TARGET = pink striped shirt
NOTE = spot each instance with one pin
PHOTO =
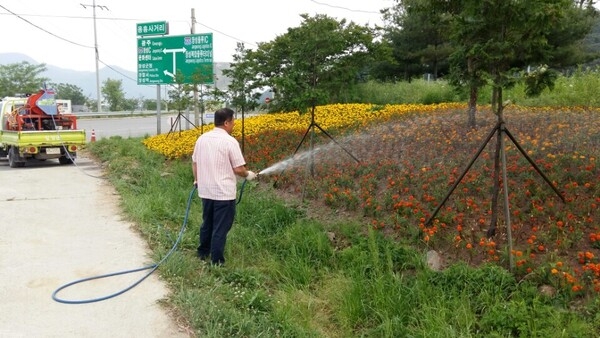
(216, 153)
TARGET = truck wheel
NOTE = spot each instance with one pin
(65, 160)
(13, 158)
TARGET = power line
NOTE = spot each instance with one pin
(76, 17)
(42, 29)
(112, 19)
(227, 35)
(345, 8)
(116, 71)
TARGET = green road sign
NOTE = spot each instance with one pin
(152, 28)
(162, 60)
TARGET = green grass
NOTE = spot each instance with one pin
(285, 278)
(579, 88)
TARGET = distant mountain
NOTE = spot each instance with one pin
(87, 80)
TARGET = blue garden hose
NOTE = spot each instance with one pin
(151, 267)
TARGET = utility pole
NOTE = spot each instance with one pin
(196, 119)
(93, 5)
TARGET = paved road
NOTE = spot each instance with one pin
(131, 126)
(60, 224)
(140, 126)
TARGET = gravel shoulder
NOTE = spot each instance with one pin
(60, 224)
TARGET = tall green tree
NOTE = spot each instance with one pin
(241, 88)
(71, 92)
(315, 63)
(496, 40)
(112, 91)
(21, 78)
(243, 80)
(201, 78)
(419, 36)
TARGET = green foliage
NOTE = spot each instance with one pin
(71, 92)
(21, 78)
(243, 82)
(180, 94)
(538, 80)
(313, 64)
(488, 281)
(578, 88)
(112, 91)
(419, 38)
(417, 91)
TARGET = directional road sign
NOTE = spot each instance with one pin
(168, 59)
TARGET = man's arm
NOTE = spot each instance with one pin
(241, 171)
(194, 171)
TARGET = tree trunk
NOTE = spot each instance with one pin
(473, 94)
(496, 190)
(473, 106)
(497, 103)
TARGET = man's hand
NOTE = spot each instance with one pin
(195, 184)
(251, 175)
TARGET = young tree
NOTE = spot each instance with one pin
(243, 80)
(203, 75)
(315, 63)
(112, 91)
(242, 84)
(498, 40)
(21, 78)
(180, 95)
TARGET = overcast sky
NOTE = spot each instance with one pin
(61, 32)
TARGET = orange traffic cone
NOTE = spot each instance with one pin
(93, 138)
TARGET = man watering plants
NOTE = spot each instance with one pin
(216, 161)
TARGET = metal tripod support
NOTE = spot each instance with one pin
(499, 129)
(177, 122)
(314, 124)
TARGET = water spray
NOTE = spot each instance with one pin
(282, 165)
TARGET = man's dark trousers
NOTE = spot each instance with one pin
(217, 218)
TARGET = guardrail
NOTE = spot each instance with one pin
(145, 113)
(93, 114)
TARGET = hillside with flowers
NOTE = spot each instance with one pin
(409, 156)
